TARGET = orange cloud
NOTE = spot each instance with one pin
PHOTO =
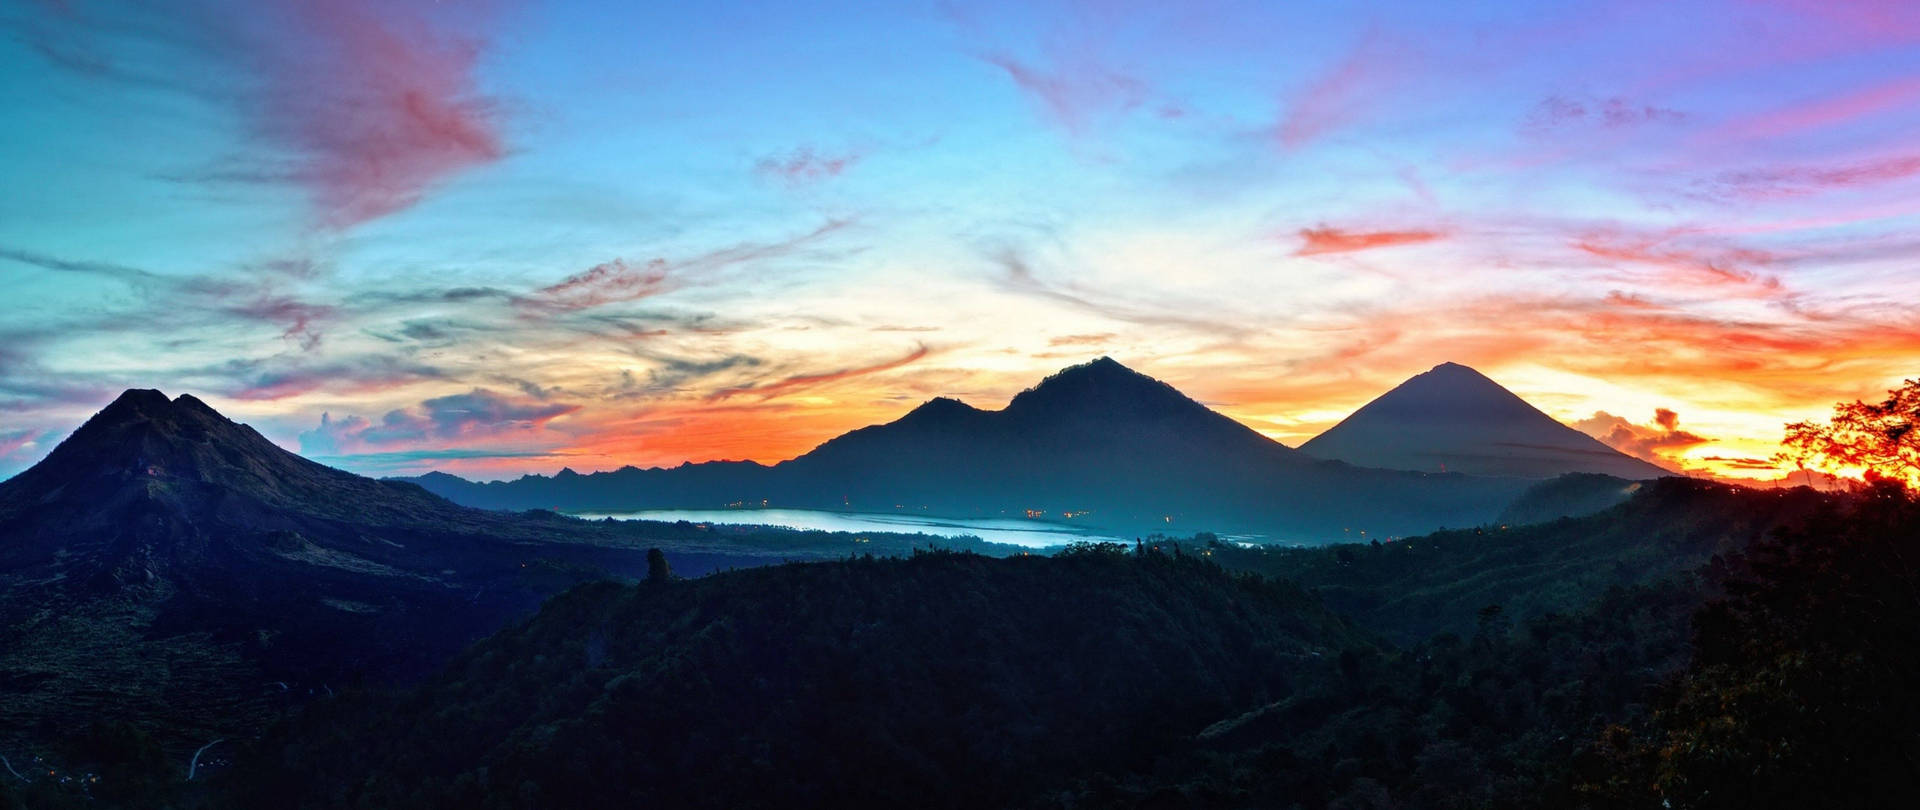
(1652, 443)
(1324, 240)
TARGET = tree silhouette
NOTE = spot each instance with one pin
(657, 568)
(1883, 438)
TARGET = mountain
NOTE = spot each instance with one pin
(1455, 419)
(944, 680)
(167, 565)
(1096, 444)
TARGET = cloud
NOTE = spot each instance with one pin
(1344, 93)
(15, 441)
(1560, 112)
(363, 104)
(375, 105)
(672, 375)
(1324, 239)
(1899, 94)
(805, 166)
(1644, 442)
(440, 422)
(1684, 266)
(803, 381)
(609, 282)
(282, 376)
(1785, 182)
(1076, 91)
(202, 297)
(1019, 277)
(1082, 340)
(620, 281)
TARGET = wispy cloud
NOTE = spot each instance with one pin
(364, 104)
(1342, 94)
(1783, 182)
(1559, 112)
(1325, 239)
(806, 166)
(1681, 265)
(1077, 93)
(786, 385)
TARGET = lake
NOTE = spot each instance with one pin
(1013, 531)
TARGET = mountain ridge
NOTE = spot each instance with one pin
(1115, 448)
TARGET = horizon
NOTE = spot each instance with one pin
(401, 237)
(1626, 451)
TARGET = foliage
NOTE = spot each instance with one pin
(943, 680)
(1412, 589)
(1802, 690)
(1882, 438)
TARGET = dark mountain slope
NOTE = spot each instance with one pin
(169, 566)
(1411, 589)
(939, 681)
(1455, 419)
(1118, 449)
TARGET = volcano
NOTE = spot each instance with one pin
(1455, 419)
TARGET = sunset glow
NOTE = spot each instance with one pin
(401, 236)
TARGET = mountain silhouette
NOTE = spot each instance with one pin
(1455, 419)
(1097, 444)
(207, 574)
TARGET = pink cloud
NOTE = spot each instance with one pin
(1324, 239)
(301, 318)
(1338, 97)
(1075, 92)
(375, 105)
(1684, 266)
(14, 441)
(609, 282)
(1786, 182)
(1895, 95)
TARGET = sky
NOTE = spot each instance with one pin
(503, 237)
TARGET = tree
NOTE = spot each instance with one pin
(1883, 438)
(657, 568)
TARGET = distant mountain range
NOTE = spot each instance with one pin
(1454, 419)
(1099, 445)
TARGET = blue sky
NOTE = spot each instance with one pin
(503, 237)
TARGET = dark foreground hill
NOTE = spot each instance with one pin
(944, 680)
(1114, 448)
(1455, 418)
(171, 568)
(1412, 589)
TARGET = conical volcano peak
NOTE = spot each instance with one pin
(1452, 389)
(1454, 418)
(1451, 367)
